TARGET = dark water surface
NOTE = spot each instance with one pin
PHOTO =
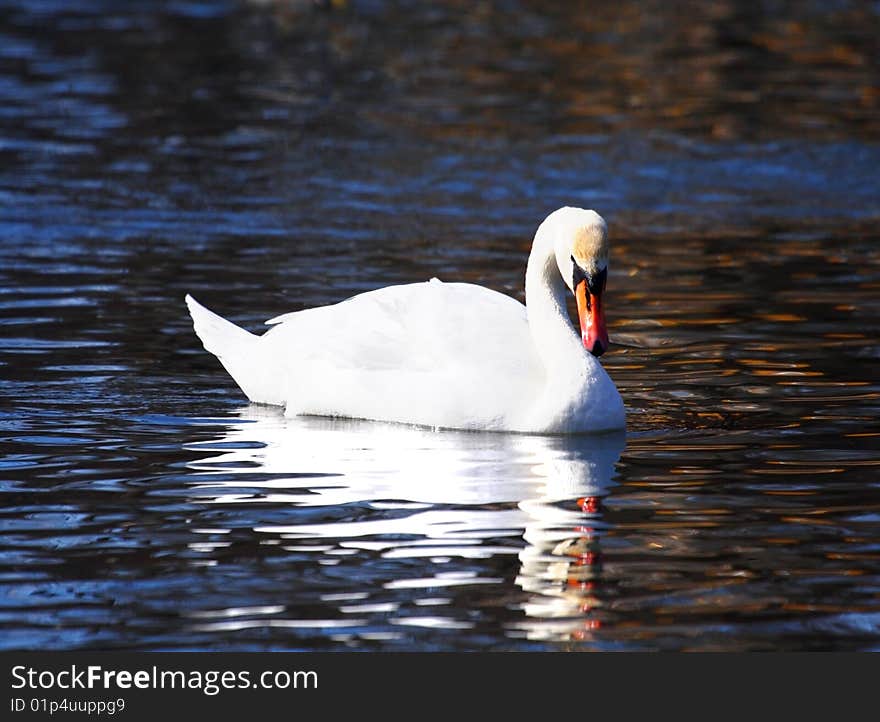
(272, 159)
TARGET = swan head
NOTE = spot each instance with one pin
(581, 248)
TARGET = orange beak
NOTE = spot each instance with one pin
(592, 318)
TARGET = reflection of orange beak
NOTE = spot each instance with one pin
(592, 318)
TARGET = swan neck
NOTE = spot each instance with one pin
(556, 342)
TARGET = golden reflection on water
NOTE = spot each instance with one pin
(628, 65)
(763, 328)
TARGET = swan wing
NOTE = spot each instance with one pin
(433, 353)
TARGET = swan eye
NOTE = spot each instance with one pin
(578, 274)
(596, 283)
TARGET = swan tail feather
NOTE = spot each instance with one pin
(238, 350)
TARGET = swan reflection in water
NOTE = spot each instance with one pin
(430, 494)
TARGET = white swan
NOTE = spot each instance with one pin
(453, 355)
